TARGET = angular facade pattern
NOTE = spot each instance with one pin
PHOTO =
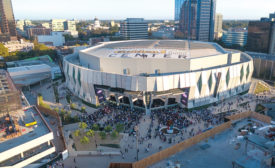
(205, 86)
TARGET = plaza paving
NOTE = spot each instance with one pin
(236, 104)
(221, 151)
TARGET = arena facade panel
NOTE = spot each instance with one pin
(158, 73)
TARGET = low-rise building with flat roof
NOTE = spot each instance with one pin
(33, 70)
(25, 138)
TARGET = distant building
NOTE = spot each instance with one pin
(218, 26)
(46, 25)
(7, 23)
(235, 37)
(95, 40)
(70, 25)
(38, 30)
(164, 33)
(55, 39)
(19, 46)
(272, 17)
(57, 24)
(72, 33)
(112, 23)
(62, 24)
(28, 23)
(178, 5)
(197, 19)
(96, 23)
(261, 36)
(20, 25)
(134, 28)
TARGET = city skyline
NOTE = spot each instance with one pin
(161, 9)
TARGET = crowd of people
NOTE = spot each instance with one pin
(111, 115)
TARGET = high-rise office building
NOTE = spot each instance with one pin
(7, 23)
(134, 28)
(261, 35)
(178, 5)
(258, 36)
(197, 19)
(218, 26)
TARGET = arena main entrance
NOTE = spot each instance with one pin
(144, 100)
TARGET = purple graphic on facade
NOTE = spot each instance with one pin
(184, 96)
(100, 95)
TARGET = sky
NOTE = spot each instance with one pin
(122, 9)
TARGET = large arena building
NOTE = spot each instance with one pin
(157, 73)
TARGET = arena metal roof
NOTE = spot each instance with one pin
(175, 49)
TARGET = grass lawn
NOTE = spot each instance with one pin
(260, 88)
(91, 146)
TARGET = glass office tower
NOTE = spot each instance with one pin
(7, 23)
(197, 19)
(178, 5)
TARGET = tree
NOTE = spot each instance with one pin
(68, 37)
(119, 127)
(41, 47)
(114, 29)
(76, 133)
(114, 134)
(83, 108)
(3, 50)
(73, 106)
(90, 133)
(95, 127)
(82, 125)
(56, 109)
(85, 140)
(102, 135)
(108, 128)
(63, 110)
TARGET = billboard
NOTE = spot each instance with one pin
(100, 94)
(185, 96)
